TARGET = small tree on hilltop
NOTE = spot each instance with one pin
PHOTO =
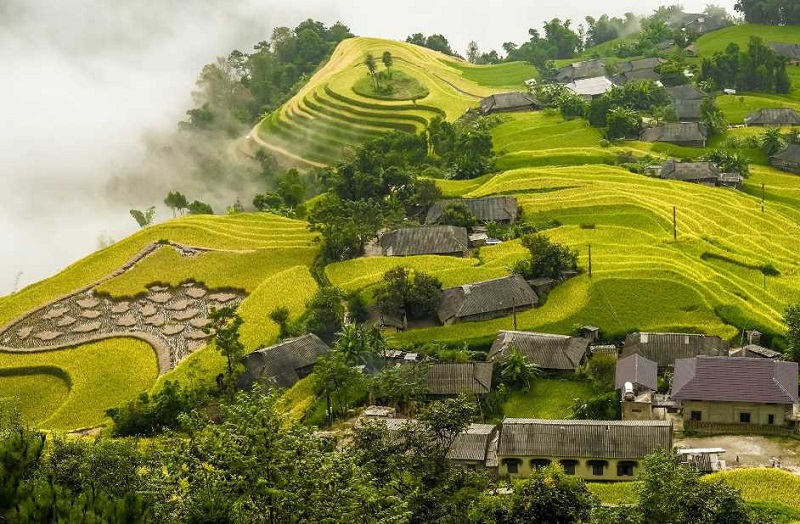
(388, 61)
(546, 258)
(176, 201)
(772, 141)
(224, 327)
(372, 67)
(200, 208)
(144, 218)
(415, 295)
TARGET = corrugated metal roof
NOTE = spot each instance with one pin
(489, 296)
(457, 378)
(472, 444)
(278, 365)
(685, 92)
(678, 133)
(425, 240)
(665, 348)
(544, 350)
(755, 351)
(732, 379)
(637, 370)
(610, 439)
(590, 86)
(773, 117)
(498, 209)
(790, 153)
(639, 64)
(508, 102)
(689, 171)
(578, 70)
(688, 109)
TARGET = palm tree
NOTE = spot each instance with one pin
(517, 372)
(369, 61)
(772, 141)
(355, 340)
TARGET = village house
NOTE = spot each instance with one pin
(685, 92)
(579, 70)
(730, 390)
(425, 240)
(691, 134)
(283, 364)
(590, 449)
(705, 173)
(665, 348)
(640, 69)
(636, 377)
(790, 51)
(589, 88)
(475, 447)
(485, 300)
(501, 209)
(688, 110)
(776, 117)
(787, 159)
(450, 379)
(509, 103)
(755, 351)
(546, 351)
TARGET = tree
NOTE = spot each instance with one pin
(712, 117)
(791, 317)
(406, 294)
(268, 202)
(622, 122)
(472, 52)
(224, 328)
(291, 188)
(546, 259)
(280, 315)
(388, 62)
(144, 218)
(176, 201)
(772, 141)
(357, 340)
(517, 372)
(600, 407)
(400, 385)
(729, 162)
(336, 378)
(458, 214)
(372, 68)
(325, 314)
(549, 496)
(200, 208)
(562, 38)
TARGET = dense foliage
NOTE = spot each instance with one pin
(757, 69)
(772, 12)
(406, 294)
(547, 259)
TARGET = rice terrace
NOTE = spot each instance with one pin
(403, 196)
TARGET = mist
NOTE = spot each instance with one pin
(88, 85)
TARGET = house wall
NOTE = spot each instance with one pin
(637, 411)
(792, 167)
(728, 412)
(582, 469)
(487, 316)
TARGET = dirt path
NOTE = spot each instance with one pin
(752, 451)
(254, 136)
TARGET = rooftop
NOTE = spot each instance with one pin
(457, 378)
(425, 240)
(497, 209)
(490, 296)
(543, 350)
(279, 365)
(665, 348)
(637, 369)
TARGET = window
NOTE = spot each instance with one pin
(598, 467)
(569, 466)
(744, 417)
(512, 465)
(625, 468)
(770, 419)
(539, 463)
(697, 415)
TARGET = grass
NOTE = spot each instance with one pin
(548, 398)
(737, 107)
(511, 74)
(398, 86)
(613, 492)
(50, 384)
(100, 376)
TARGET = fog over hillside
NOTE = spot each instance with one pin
(84, 81)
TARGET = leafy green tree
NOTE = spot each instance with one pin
(546, 259)
(549, 496)
(562, 38)
(147, 415)
(772, 141)
(268, 202)
(623, 122)
(388, 62)
(713, 117)
(372, 69)
(600, 407)
(356, 340)
(144, 218)
(291, 188)
(472, 52)
(325, 314)
(224, 328)
(672, 73)
(729, 162)
(280, 315)
(601, 370)
(346, 226)
(415, 295)
(200, 208)
(401, 385)
(791, 317)
(517, 372)
(336, 379)
(458, 214)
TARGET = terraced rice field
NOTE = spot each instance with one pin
(326, 117)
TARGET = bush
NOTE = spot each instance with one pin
(546, 258)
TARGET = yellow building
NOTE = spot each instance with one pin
(608, 450)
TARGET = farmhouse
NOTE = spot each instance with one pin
(790, 51)
(502, 209)
(705, 173)
(282, 365)
(543, 350)
(452, 379)
(730, 390)
(787, 159)
(688, 110)
(426, 240)
(475, 447)
(579, 70)
(683, 134)
(665, 348)
(773, 117)
(685, 92)
(589, 88)
(754, 351)
(509, 103)
(485, 300)
(641, 64)
(590, 449)
(638, 74)
(637, 378)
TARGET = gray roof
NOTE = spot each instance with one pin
(278, 365)
(512, 101)
(639, 74)
(544, 350)
(456, 378)
(689, 171)
(594, 86)
(578, 70)
(637, 369)
(602, 439)
(755, 351)
(688, 109)
(732, 379)
(640, 64)
(790, 153)
(685, 92)
(498, 209)
(665, 348)
(773, 117)
(472, 444)
(676, 133)
(426, 240)
(486, 297)
(787, 50)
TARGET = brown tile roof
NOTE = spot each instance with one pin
(278, 365)
(425, 240)
(637, 369)
(665, 348)
(690, 171)
(544, 350)
(610, 439)
(513, 101)
(489, 296)
(755, 351)
(473, 443)
(457, 378)
(790, 153)
(676, 133)
(732, 379)
(498, 209)
(773, 117)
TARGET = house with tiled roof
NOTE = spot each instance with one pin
(787, 159)
(486, 300)
(773, 117)
(499, 209)
(283, 364)
(790, 51)
(450, 379)
(732, 390)
(690, 134)
(705, 173)
(578, 70)
(509, 103)
(754, 351)
(425, 240)
(591, 449)
(665, 348)
(685, 92)
(589, 88)
(544, 350)
(475, 447)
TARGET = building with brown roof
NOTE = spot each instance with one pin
(591, 449)
(509, 103)
(705, 173)
(665, 348)
(283, 364)
(787, 159)
(452, 379)
(486, 300)
(500, 209)
(690, 134)
(425, 240)
(773, 117)
(544, 350)
(731, 390)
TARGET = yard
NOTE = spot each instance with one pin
(548, 398)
